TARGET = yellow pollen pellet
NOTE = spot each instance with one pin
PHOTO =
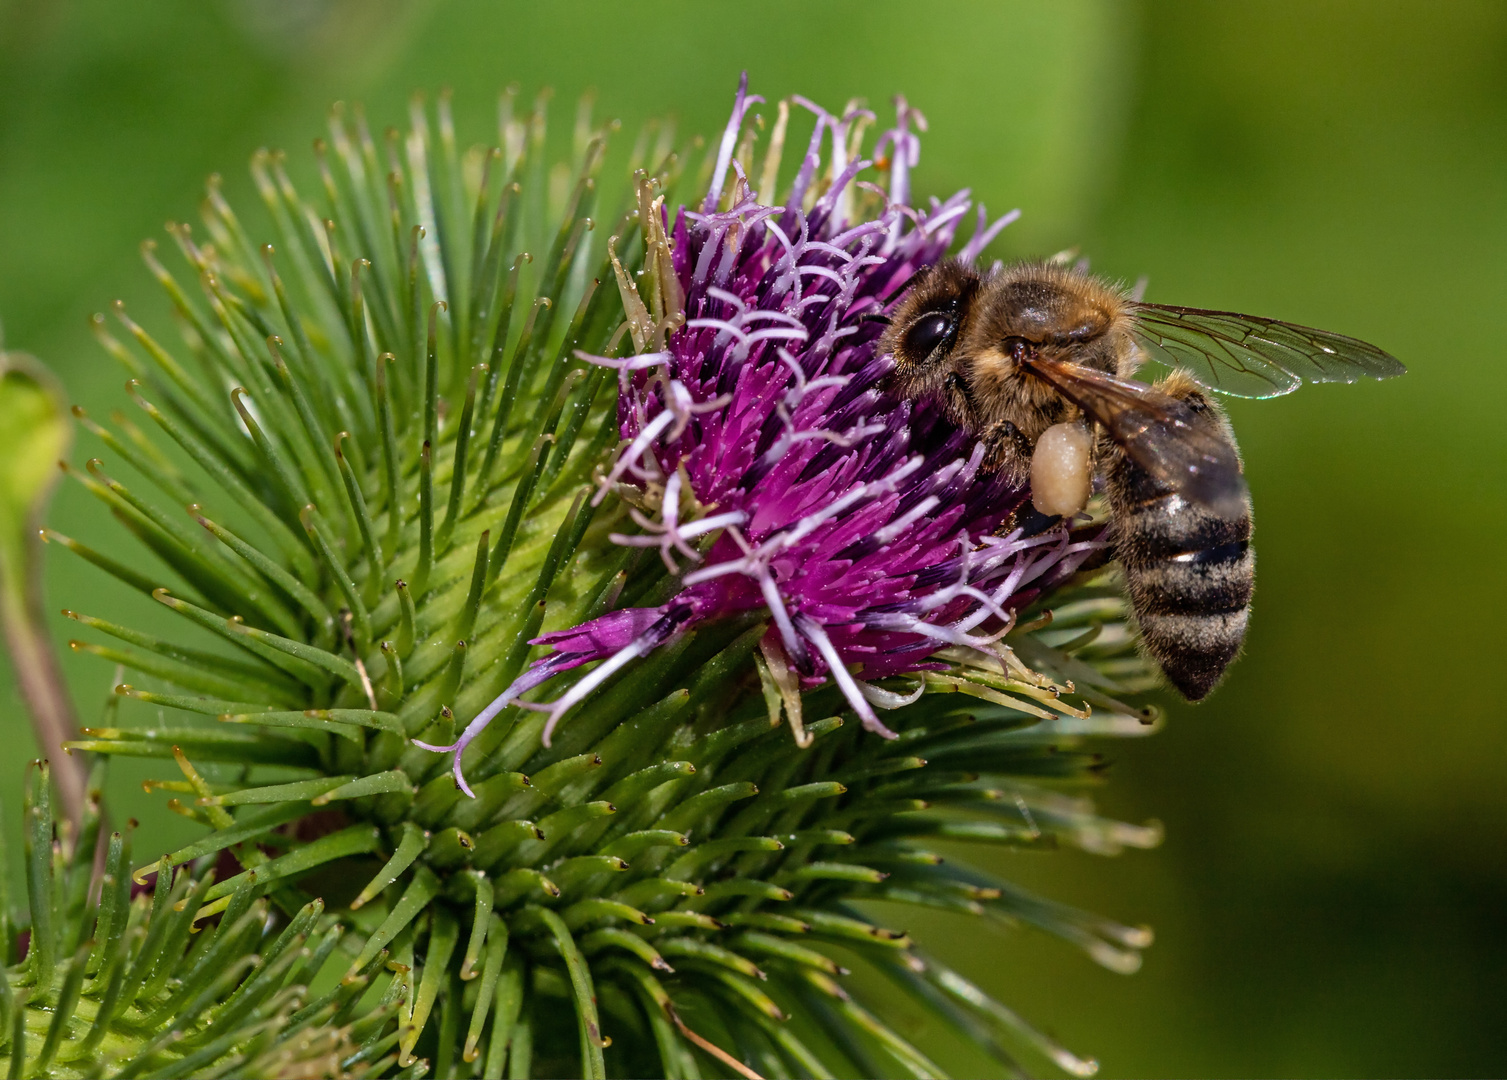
(1061, 477)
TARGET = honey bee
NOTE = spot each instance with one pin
(1037, 361)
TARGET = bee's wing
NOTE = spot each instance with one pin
(1248, 356)
(1158, 432)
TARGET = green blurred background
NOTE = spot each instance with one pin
(1330, 897)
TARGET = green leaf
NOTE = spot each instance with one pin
(35, 432)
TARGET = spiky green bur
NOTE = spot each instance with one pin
(137, 987)
(390, 497)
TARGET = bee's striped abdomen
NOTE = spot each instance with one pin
(1189, 571)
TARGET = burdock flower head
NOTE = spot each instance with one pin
(649, 484)
(761, 456)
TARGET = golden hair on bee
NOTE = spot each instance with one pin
(953, 339)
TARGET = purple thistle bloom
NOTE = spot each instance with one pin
(863, 525)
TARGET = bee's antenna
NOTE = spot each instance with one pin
(874, 317)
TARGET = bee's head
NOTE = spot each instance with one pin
(926, 326)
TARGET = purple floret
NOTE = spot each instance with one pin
(861, 524)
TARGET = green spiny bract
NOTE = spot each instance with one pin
(386, 443)
(132, 987)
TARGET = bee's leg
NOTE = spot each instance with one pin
(958, 402)
(1006, 449)
(1031, 521)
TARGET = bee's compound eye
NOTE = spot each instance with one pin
(928, 332)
